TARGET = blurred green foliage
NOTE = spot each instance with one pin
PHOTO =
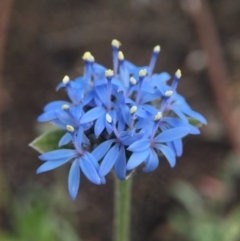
(211, 212)
(41, 216)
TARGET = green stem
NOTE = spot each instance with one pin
(122, 210)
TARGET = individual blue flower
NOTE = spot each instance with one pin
(145, 149)
(113, 153)
(80, 158)
(62, 116)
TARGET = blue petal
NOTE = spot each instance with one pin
(179, 113)
(124, 76)
(47, 116)
(148, 129)
(148, 88)
(99, 126)
(142, 123)
(99, 70)
(109, 127)
(178, 147)
(113, 114)
(168, 153)
(121, 122)
(65, 118)
(129, 137)
(89, 170)
(92, 115)
(72, 91)
(179, 123)
(150, 97)
(59, 124)
(88, 98)
(162, 88)
(102, 94)
(194, 130)
(103, 180)
(137, 158)
(125, 113)
(117, 83)
(150, 109)
(121, 163)
(54, 105)
(92, 159)
(194, 115)
(172, 134)
(164, 76)
(77, 112)
(66, 138)
(97, 101)
(141, 112)
(79, 136)
(47, 166)
(130, 66)
(60, 85)
(175, 122)
(172, 147)
(74, 179)
(85, 140)
(109, 161)
(140, 145)
(100, 82)
(102, 149)
(152, 162)
(58, 154)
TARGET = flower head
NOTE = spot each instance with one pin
(118, 119)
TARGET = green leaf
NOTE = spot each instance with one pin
(194, 122)
(47, 141)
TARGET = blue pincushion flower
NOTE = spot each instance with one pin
(133, 116)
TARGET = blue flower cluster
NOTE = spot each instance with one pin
(117, 119)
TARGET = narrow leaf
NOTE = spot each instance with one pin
(47, 141)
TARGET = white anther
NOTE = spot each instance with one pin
(116, 43)
(65, 79)
(142, 72)
(157, 49)
(168, 93)
(108, 118)
(91, 59)
(133, 109)
(158, 116)
(86, 55)
(109, 73)
(70, 128)
(120, 55)
(133, 81)
(178, 74)
(65, 107)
